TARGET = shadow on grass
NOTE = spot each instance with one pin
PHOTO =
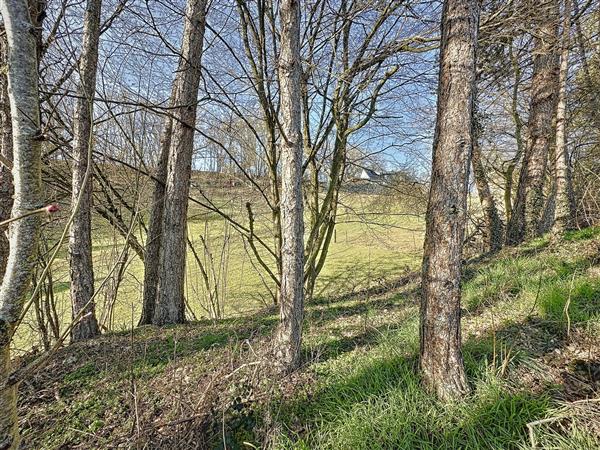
(382, 288)
(335, 311)
(148, 350)
(333, 348)
(374, 400)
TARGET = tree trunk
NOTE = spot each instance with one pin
(529, 205)
(6, 182)
(564, 209)
(170, 306)
(80, 236)
(512, 164)
(441, 358)
(494, 228)
(153, 239)
(289, 334)
(25, 113)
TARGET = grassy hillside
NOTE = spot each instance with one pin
(366, 251)
(531, 347)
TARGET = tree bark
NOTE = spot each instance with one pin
(153, 239)
(512, 164)
(493, 226)
(441, 359)
(528, 210)
(80, 235)
(289, 334)
(564, 209)
(170, 306)
(25, 113)
(6, 181)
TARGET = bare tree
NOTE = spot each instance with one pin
(565, 208)
(25, 115)
(348, 78)
(291, 312)
(171, 277)
(80, 235)
(154, 235)
(526, 218)
(441, 358)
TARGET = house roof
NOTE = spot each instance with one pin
(370, 173)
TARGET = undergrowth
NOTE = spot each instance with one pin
(531, 352)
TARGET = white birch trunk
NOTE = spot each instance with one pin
(6, 182)
(564, 212)
(25, 113)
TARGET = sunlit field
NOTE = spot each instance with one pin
(375, 242)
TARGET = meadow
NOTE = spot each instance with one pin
(375, 242)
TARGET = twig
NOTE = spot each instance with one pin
(5, 161)
(567, 305)
(531, 425)
(48, 209)
(537, 296)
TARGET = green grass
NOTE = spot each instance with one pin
(502, 280)
(583, 234)
(545, 277)
(375, 401)
(581, 295)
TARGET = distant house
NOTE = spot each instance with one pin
(370, 175)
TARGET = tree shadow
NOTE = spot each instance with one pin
(334, 348)
(382, 288)
(147, 350)
(333, 312)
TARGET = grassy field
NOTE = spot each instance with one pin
(370, 247)
(531, 348)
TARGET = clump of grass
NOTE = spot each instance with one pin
(583, 234)
(524, 274)
(503, 280)
(538, 243)
(82, 374)
(581, 295)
